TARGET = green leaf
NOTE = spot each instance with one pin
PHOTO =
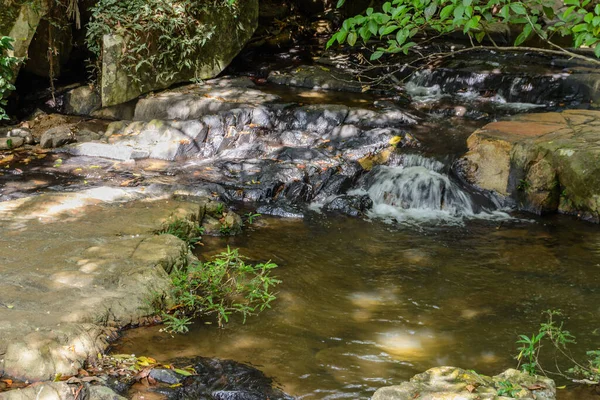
(430, 11)
(459, 12)
(182, 372)
(549, 12)
(446, 11)
(352, 38)
(588, 17)
(369, 11)
(387, 7)
(467, 3)
(372, 26)
(340, 3)
(505, 12)
(389, 29)
(377, 55)
(527, 29)
(580, 28)
(518, 8)
(479, 36)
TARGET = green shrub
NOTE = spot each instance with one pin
(184, 230)
(401, 22)
(7, 65)
(221, 287)
(161, 36)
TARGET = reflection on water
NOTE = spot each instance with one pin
(365, 304)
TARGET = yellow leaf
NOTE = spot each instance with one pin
(95, 166)
(561, 387)
(176, 385)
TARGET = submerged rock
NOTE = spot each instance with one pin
(446, 383)
(545, 162)
(62, 391)
(225, 380)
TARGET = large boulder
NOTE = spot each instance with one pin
(451, 383)
(20, 20)
(232, 34)
(544, 162)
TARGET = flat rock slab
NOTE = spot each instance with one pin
(451, 383)
(545, 162)
(75, 264)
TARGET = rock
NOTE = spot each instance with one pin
(11, 143)
(124, 111)
(450, 383)
(117, 87)
(57, 136)
(167, 376)
(64, 313)
(61, 391)
(225, 380)
(20, 21)
(83, 100)
(353, 206)
(280, 210)
(24, 133)
(544, 162)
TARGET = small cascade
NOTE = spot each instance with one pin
(511, 90)
(420, 189)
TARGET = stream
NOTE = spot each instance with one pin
(366, 304)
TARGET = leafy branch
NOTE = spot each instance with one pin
(401, 24)
(7, 65)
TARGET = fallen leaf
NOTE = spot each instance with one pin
(471, 388)
(536, 386)
(8, 382)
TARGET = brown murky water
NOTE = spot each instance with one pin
(365, 304)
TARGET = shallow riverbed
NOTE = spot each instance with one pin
(365, 304)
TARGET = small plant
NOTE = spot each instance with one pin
(587, 372)
(224, 229)
(7, 65)
(250, 217)
(507, 388)
(529, 350)
(191, 234)
(221, 287)
(220, 208)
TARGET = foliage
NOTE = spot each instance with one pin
(401, 21)
(553, 331)
(7, 65)
(163, 37)
(221, 287)
(184, 230)
(507, 388)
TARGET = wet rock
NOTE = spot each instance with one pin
(444, 383)
(11, 143)
(280, 210)
(82, 101)
(544, 162)
(57, 137)
(353, 206)
(167, 376)
(226, 380)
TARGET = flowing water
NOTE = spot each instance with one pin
(365, 304)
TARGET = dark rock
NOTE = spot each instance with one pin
(57, 136)
(225, 380)
(353, 206)
(280, 210)
(166, 376)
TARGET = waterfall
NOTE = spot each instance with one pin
(420, 189)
